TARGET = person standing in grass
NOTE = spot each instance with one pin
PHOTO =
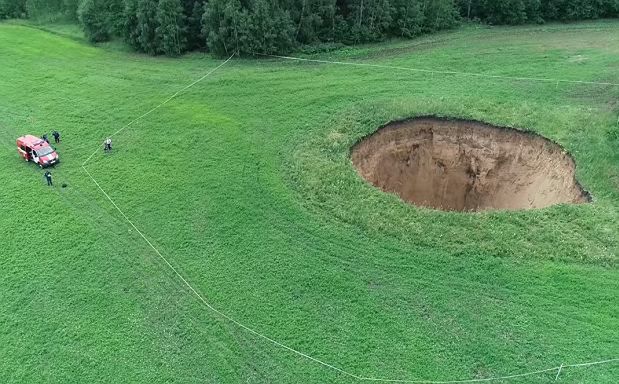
(48, 177)
(56, 135)
(44, 137)
(107, 144)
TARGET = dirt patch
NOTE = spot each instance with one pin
(458, 165)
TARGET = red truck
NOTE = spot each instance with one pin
(31, 148)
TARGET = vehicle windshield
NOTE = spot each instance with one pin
(44, 151)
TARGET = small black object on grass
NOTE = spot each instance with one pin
(64, 185)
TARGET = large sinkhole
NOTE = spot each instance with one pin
(457, 165)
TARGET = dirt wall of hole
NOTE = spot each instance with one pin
(459, 165)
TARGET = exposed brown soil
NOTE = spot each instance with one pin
(457, 165)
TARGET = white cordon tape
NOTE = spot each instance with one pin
(431, 71)
(258, 334)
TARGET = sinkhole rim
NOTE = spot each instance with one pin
(574, 194)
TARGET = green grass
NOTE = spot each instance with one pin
(245, 185)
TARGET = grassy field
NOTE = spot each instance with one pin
(244, 184)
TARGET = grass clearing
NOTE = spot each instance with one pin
(245, 184)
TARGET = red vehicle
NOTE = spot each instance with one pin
(31, 148)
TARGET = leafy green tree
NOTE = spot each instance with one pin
(195, 37)
(278, 26)
(269, 29)
(408, 18)
(439, 14)
(171, 28)
(93, 18)
(314, 20)
(70, 9)
(536, 11)
(533, 10)
(368, 19)
(48, 9)
(130, 25)
(222, 23)
(505, 11)
(12, 9)
(146, 28)
(115, 11)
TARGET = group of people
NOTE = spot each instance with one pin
(48, 174)
(107, 146)
(56, 135)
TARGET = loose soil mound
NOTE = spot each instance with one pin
(457, 165)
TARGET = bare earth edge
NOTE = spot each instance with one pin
(465, 165)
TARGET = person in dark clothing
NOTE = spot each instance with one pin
(48, 177)
(44, 137)
(56, 135)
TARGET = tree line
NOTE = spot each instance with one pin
(172, 27)
(537, 11)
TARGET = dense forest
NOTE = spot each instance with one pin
(172, 27)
